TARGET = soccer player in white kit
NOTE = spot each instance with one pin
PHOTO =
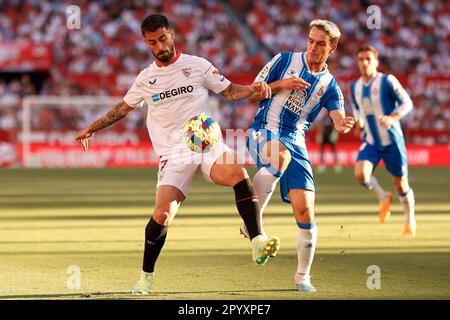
(175, 87)
(379, 101)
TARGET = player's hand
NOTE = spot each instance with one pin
(294, 83)
(386, 121)
(261, 88)
(83, 138)
(346, 124)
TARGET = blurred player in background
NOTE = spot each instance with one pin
(326, 134)
(175, 87)
(301, 85)
(379, 102)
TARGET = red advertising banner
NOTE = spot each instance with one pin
(73, 156)
(8, 155)
(17, 57)
(140, 155)
(418, 155)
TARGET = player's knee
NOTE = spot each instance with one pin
(305, 214)
(281, 161)
(401, 184)
(284, 158)
(237, 175)
(162, 217)
(359, 175)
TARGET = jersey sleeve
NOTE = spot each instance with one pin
(333, 98)
(134, 97)
(212, 79)
(355, 106)
(404, 102)
(271, 71)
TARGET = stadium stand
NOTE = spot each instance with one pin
(107, 52)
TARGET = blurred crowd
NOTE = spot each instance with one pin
(414, 35)
(109, 39)
(414, 40)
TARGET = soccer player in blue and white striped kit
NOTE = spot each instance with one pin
(379, 101)
(301, 86)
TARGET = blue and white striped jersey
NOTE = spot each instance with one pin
(289, 113)
(383, 95)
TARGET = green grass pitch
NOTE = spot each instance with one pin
(95, 219)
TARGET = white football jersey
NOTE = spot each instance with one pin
(174, 94)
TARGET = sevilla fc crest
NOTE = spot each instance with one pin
(186, 72)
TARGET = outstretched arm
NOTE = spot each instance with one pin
(342, 123)
(292, 83)
(113, 115)
(237, 92)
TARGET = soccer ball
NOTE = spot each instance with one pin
(202, 133)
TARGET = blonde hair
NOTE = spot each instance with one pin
(329, 27)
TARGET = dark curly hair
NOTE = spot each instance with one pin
(154, 22)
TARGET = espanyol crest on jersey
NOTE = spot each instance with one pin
(289, 113)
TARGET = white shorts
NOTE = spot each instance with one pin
(179, 169)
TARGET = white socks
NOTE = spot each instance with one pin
(264, 183)
(306, 247)
(373, 185)
(147, 274)
(257, 239)
(407, 201)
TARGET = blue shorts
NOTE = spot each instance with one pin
(298, 175)
(393, 155)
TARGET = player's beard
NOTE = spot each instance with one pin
(165, 55)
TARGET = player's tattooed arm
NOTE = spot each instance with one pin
(237, 92)
(291, 83)
(117, 112)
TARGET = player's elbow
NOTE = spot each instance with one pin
(405, 108)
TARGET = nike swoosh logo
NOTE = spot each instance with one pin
(152, 82)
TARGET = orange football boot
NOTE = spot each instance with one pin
(385, 212)
(410, 230)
